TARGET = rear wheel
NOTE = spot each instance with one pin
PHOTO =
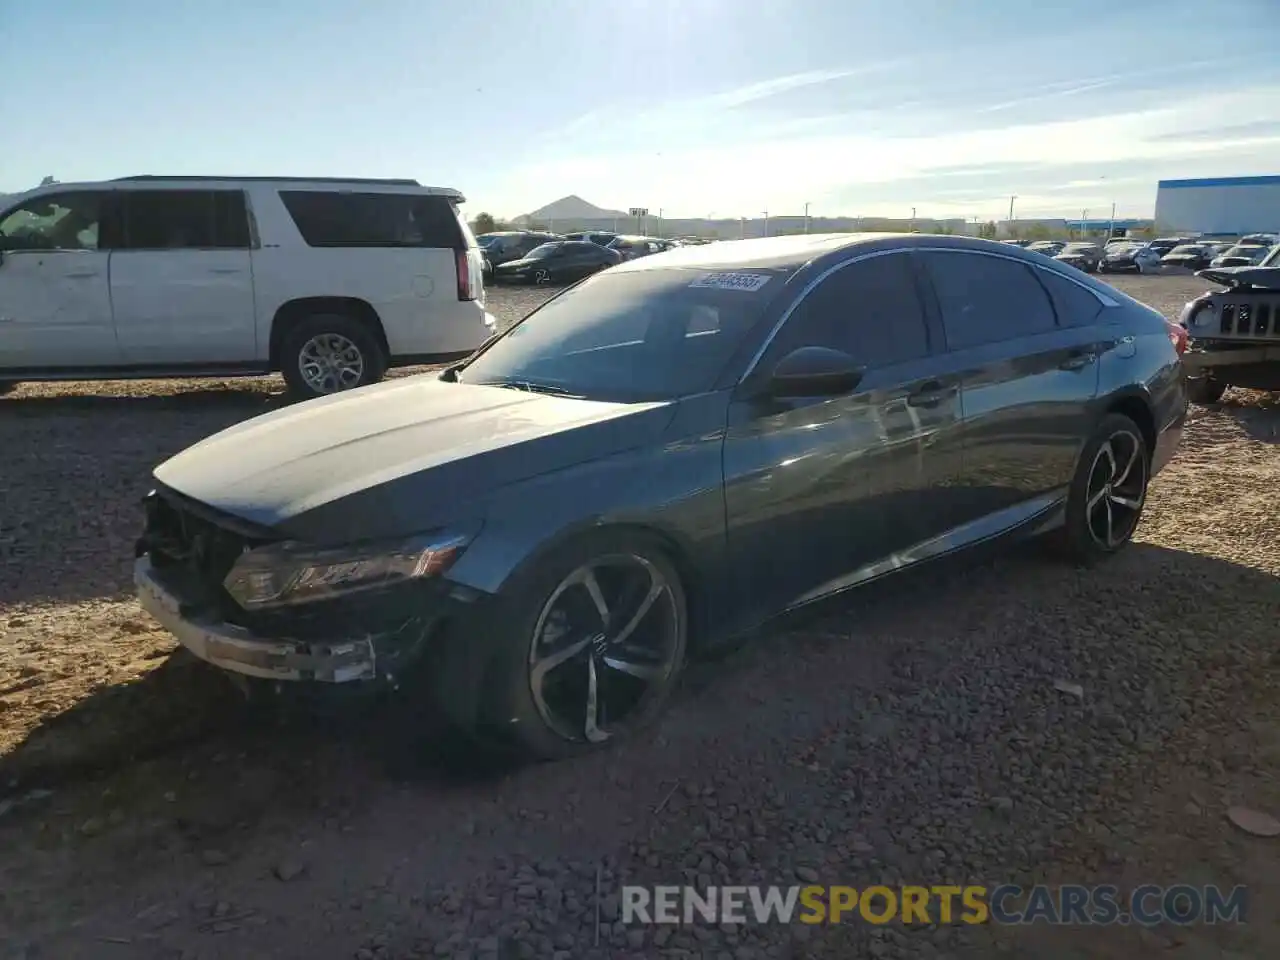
(1205, 390)
(592, 642)
(1108, 492)
(329, 353)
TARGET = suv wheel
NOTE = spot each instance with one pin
(1107, 493)
(328, 353)
(592, 642)
(1205, 390)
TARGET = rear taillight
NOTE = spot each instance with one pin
(465, 290)
(1177, 336)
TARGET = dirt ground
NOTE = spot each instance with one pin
(911, 733)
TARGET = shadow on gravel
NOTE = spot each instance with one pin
(254, 400)
(184, 704)
(1257, 413)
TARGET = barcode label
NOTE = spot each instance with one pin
(749, 282)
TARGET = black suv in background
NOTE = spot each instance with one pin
(508, 245)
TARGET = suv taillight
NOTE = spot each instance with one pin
(465, 291)
(1177, 336)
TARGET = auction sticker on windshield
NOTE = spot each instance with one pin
(749, 282)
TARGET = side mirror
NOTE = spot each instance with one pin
(815, 372)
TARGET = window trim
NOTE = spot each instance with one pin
(1105, 300)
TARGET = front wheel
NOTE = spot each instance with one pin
(1205, 390)
(591, 643)
(329, 353)
(1107, 493)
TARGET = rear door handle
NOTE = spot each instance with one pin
(81, 274)
(225, 270)
(930, 394)
(1078, 360)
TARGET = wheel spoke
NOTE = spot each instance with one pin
(656, 588)
(1094, 500)
(591, 728)
(588, 580)
(642, 671)
(548, 663)
(1128, 467)
(1133, 503)
(1109, 452)
(1110, 528)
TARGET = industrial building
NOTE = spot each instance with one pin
(1228, 206)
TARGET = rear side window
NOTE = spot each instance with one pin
(184, 220)
(331, 219)
(986, 299)
(1076, 306)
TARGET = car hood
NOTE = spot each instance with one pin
(1267, 278)
(518, 264)
(402, 455)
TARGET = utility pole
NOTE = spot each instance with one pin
(765, 229)
(1111, 232)
(660, 225)
(806, 217)
(742, 228)
(1011, 199)
(1084, 216)
(913, 219)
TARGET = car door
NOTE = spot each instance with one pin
(55, 302)
(1028, 378)
(581, 259)
(819, 490)
(182, 281)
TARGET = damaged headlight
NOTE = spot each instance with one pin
(291, 573)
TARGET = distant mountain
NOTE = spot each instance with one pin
(571, 208)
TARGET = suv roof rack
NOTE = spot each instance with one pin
(388, 182)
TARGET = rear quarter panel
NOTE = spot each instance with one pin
(413, 290)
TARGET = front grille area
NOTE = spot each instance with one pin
(191, 550)
(1254, 317)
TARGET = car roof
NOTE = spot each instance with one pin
(154, 182)
(794, 252)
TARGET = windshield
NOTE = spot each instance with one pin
(1249, 252)
(627, 337)
(1184, 249)
(487, 240)
(1079, 248)
(1124, 248)
(1273, 258)
(545, 250)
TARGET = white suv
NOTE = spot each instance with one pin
(327, 281)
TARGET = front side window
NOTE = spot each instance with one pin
(55, 221)
(327, 218)
(543, 251)
(987, 299)
(627, 337)
(869, 309)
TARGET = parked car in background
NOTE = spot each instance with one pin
(1241, 255)
(1047, 248)
(558, 261)
(1191, 256)
(656, 460)
(327, 281)
(632, 247)
(1082, 256)
(507, 245)
(601, 237)
(1235, 332)
(1163, 245)
(1261, 239)
(1131, 257)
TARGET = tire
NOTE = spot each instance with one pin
(536, 711)
(1205, 390)
(362, 352)
(1083, 538)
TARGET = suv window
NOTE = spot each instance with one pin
(184, 220)
(54, 221)
(869, 309)
(332, 219)
(986, 299)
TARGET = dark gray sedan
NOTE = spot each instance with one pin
(661, 457)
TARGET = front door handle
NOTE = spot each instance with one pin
(225, 270)
(930, 394)
(1078, 360)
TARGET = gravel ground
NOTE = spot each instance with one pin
(886, 738)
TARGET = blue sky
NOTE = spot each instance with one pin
(731, 107)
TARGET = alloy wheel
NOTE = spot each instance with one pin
(604, 647)
(329, 362)
(1116, 490)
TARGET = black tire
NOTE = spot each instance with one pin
(1082, 538)
(1205, 390)
(372, 358)
(526, 720)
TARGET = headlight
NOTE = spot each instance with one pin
(290, 573)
